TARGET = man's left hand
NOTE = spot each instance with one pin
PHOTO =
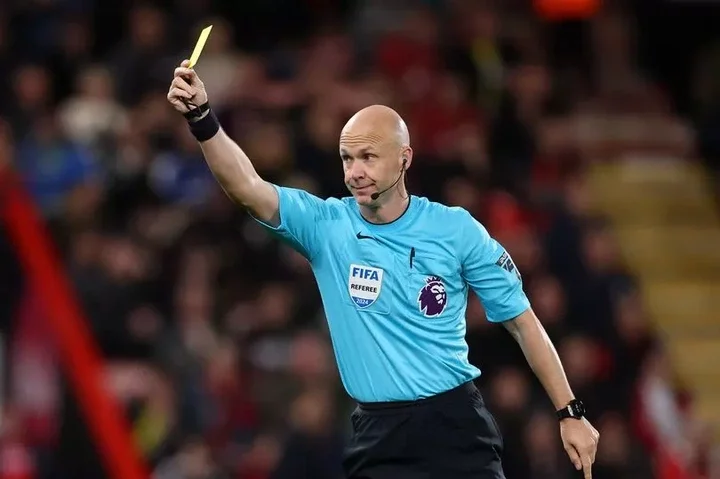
(580, 440)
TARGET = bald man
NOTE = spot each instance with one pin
(394, 272)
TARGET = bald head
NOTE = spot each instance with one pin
(379, 123)
(375, 149)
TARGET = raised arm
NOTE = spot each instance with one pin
(227, 161)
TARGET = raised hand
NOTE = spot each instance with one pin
(187, 91)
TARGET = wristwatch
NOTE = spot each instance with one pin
(575, 409)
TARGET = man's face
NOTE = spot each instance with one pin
(370, 166)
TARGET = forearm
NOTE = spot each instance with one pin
(238, 178)
(231, 167)
(542, 357)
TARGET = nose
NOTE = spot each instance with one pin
(354, 171)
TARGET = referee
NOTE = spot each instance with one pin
(394, 271)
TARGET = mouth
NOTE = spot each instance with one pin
(362, 189)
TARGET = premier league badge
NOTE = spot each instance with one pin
(432, 298)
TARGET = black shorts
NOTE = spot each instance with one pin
(448, 436)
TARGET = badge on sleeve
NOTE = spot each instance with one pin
(506, 263)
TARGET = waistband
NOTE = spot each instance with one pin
(465, 390)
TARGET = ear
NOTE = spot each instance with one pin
(407, 157)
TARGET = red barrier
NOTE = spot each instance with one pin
(79, 353)
(667, 464)
(668, 467)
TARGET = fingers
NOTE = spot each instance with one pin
(178, 104)
(179, 93)
(187, 73)
(186, 85)
(581, 461)
(574, 457)
(593, 450)
(181, 84)
(587, 454)
(176, 93)
(580, 440)
(587, 466)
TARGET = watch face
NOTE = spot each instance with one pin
(578, 408)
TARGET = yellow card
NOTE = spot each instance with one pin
(199, 46)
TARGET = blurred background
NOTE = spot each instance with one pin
(586, 139)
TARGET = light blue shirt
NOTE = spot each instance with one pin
(395, 294)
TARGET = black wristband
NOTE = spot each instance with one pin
(195, 112)
(205, 128)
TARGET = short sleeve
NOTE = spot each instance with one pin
(300, 213)
(489, 270)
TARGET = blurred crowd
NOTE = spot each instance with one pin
(213, 332)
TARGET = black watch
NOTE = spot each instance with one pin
(574, 410)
